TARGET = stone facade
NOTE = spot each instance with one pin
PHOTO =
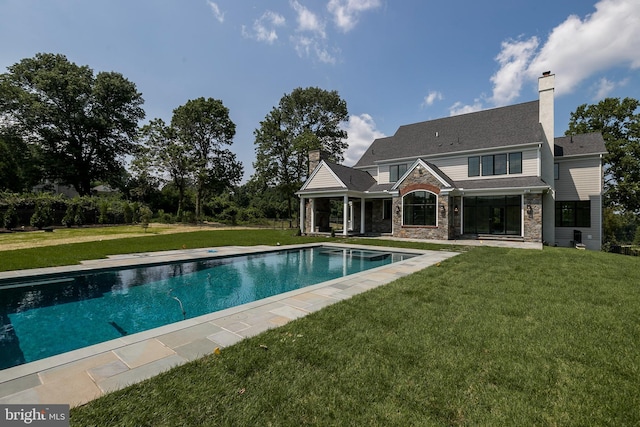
(420, 179)
(533, 217)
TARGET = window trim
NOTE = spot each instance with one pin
(575, 207)
(435, 209)
(398, 172)
(477, 168)
(487, 164)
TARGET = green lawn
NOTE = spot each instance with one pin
(67, 254)
(491, 337)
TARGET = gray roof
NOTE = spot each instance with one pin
(574, 145)
(510, 182)
(354, 179)
(498, 127)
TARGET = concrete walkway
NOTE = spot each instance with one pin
(80, 376)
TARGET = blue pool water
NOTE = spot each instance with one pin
(46, 318)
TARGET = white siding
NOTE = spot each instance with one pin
(578, 179)
(324, 179)
(383, 174)
(456, 168)
(581, 180)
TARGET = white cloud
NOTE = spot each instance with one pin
(346, 12)
(514, 59)
(216, 11)
(361, 131)
(311, 46)
(307, 20)
(576, 50)
(460, 108)
(432, 97)
(264, 28)
(605, 86)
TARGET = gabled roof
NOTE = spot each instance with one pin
(353, 179)
(576, 145)
(498, 127)
(346, 179)
(431, 168)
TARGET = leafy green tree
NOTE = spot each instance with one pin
(18, 163)
(619, 122)
(164, 158)
(85, 124)
(203, 127)
(306, 119)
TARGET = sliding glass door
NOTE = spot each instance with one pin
(493, 215)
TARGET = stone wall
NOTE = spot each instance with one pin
(421, 179)
(533, 217)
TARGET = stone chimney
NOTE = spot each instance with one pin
(315, 156)
(546, 87)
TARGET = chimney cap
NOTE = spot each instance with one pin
(546, 73)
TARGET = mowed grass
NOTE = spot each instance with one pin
(491, 337)
(73, 253)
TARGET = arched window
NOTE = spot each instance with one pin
(419, 208)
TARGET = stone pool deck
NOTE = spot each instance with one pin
(80, 376)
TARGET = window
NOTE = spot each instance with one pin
(474, 166)
(396, 171)
(556, 171)
(573, 214)
(419, 208)
(515, 163)
(487, 165)
(387, 204)
(496, 164)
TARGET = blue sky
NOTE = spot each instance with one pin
(393, 62)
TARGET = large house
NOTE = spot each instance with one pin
(497, 173)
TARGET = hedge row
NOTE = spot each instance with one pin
(45, 210)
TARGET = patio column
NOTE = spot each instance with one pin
(362, 216)
(313, 216)
(345, 216)
(302, 200)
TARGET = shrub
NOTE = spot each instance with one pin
(11, 217)
(127, 213)
(43, 215)
(69, 215)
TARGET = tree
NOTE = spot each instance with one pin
(203, 127)
(164, 157)
(191, 150)
(619, 123)
(19, 170)
(304, 120)
(85, 124)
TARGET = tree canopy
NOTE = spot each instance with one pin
(619, 123)
(304, 120)
(191, 150)
(84, 124)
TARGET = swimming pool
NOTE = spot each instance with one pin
(45, 317)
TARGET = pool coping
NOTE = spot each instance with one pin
(79, 376)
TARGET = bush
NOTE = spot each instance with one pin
(43, 215)
(10, 218)
(69, 215)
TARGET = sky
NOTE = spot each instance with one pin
(393, 62)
